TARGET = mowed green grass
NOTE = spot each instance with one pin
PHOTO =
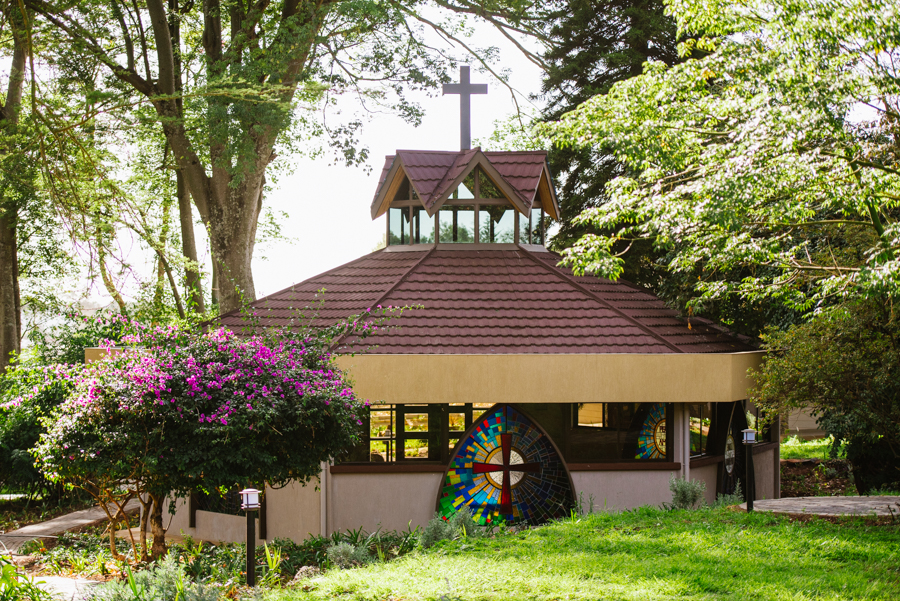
(641, 555)
(795, 448)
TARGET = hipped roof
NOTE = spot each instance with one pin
(513, 300)
(523, 177)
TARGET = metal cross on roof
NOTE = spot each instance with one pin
(465, 88)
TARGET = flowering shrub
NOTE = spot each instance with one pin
(180, 410)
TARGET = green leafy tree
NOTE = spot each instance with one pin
(232, 85)
(845, 366)
(596, 43)
(772, 160)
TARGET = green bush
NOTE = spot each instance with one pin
(165, 582)
(460, 525)
(345, 555)
(686, 494)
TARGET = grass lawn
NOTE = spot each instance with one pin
(795, 448)
(641, 555)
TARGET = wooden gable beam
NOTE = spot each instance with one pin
(392, 182)
(480, 160)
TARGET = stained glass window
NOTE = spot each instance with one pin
(652, 439)
(506, 469)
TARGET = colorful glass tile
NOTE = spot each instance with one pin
(507, 469)
(652, 439)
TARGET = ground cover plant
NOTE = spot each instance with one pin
(642, 554)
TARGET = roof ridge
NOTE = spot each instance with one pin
(392, 288)
(602, 301)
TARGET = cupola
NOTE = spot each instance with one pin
(465, 197)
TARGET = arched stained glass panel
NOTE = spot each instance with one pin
(507, 469)
(652, 439)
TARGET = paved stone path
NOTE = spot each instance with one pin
(11, 541)
(65, 589)
(830, 506)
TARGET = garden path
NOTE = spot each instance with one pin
(11, 541)
(65, 589)
(830, 506)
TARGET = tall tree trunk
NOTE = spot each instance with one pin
(10, 301)
(194, 289)
(194, 292)
(158, 549)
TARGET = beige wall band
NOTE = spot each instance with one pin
(600, 378)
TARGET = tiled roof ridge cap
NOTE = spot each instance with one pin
(602, 301)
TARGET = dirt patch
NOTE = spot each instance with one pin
(816, 478)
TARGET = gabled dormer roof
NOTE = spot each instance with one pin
(523, 177)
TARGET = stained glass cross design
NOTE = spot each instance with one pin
(465, 88)
(506, 470)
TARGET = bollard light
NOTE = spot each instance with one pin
(749, 485)
(250, 504)
(249, 499)
(749, 436)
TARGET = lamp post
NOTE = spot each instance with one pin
(749, 441)
(250, 504)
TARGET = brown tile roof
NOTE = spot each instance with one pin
(503, 301)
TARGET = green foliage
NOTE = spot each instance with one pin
(459, 525)
(166, 580)
(18, 587)
(29, 393)
(735, 498)
(344, 555)
(686, 493)
(596, 43)
(642, 554)
(754, 167)
(844, 365)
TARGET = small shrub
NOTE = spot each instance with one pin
(166, 581)
(736, 498)
(437, 529)
(345, 555)
(686, 494)
(460, 524)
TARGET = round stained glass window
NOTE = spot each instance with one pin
(652, 439)
(506, 468)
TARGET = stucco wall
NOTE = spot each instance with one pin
(388, 500)
(293, 511)
(765, 474)
(622, 490)
(708, 474)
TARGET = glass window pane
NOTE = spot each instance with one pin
(381, 451)
(536, 223)
(415, 448)
(466, 190)
(497, 223)
(487, 187)
(457, 224)
(700, 423)
(423, 227)
(592, 415)
(415, 422)
(399, 221)
(457, 422)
